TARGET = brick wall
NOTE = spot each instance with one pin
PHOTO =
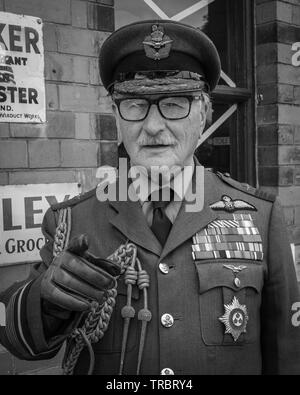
(278, 27)
(80, 133)
(78, 111)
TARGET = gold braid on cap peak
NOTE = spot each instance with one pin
(152, 83)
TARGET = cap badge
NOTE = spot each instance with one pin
(158, 45)
(235, 318)
(228, 204)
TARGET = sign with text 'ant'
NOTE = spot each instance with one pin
(22, 85)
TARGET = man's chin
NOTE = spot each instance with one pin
(156, 162)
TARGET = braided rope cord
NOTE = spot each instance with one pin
(135, 275)
(98, 318)
(62, 233)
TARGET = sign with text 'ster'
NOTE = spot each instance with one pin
(22, 208)
(22, 84)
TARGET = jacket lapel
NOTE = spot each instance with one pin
(129, 219)
(189, 223)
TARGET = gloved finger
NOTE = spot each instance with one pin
(88, 272)
(69, 283)
(79, 246)
(63, 299)
(107, 265)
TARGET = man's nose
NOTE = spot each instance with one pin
(154, 123)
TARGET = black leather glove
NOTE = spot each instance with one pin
(75, 278)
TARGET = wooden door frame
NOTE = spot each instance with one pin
(243, 144)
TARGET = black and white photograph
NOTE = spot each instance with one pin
(149, 190)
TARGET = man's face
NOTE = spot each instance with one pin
(157, 141)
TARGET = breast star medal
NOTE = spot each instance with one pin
(158, 45)
(230, 205)
(235, 319)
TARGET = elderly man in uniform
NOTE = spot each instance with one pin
(149, 286)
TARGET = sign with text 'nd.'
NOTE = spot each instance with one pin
(22, 208)
(22, 84)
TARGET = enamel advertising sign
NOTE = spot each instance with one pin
(22, 208)
(22, 84)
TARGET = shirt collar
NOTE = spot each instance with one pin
(180, 184)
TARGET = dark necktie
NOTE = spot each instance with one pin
(161, 225)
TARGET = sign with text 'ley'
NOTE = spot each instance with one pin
(22, 84)
(22, 208)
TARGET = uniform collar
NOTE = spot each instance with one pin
(128, 217)
(180, 184)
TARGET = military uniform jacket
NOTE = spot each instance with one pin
(199, 290)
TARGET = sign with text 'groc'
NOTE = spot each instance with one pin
(22, 208)
(22, 84)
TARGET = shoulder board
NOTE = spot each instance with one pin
(74, 201)
(246, 187)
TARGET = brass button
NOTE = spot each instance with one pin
(167, 320)
(237, 282)
(167, 371)
(164, 268)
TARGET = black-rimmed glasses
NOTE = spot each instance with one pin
(171, 107)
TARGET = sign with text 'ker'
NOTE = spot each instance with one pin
(22, 85)
(22, 208)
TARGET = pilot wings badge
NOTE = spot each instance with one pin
(235, 319)
(158, 45)
(230, 205)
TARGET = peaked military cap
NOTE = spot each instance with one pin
(156, 56)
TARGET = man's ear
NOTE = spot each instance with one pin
(117, 119)
(209, 114)
(114, 109)
(207, 111)
(203, 114)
